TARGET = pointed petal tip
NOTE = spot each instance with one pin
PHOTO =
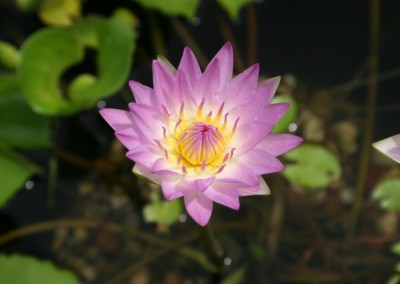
(228, 46)
(199, 207)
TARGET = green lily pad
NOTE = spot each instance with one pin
(162, 211)
(19, 269)
(14, 172)
(9, 55)
(186, 8)
(289, 117)
(48, 53)
(396, 248)
(313, 166)
(45, 56)
(59, 12)
(20, 127)
(233, 7)
(388, 194)
(115, 48)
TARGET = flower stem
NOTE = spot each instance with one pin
(370, 117)
(213, 246)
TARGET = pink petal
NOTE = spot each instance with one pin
(258, 103)
(242, 88)
(277, 144)
(267, 88)
(117, 119)
(261, 162)
(261, 189)
(199, 207)
(163, 166)
(144, 155)
(142, 171)
(163, 83)
(141, 92)
(224, 193)
(390, 147)
(189, 66)
(169, 186)
(148, 120)
(129, 138)
(200, 184)
(183, 92)
(247, 136)
(238, 173)
(208, 84)
(272, 113)
(225, 58)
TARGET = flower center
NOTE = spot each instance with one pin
(201, 143)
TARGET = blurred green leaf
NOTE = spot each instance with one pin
(394, 279)
(396, 248)
(289, 117)
(388, 194)
(235, 277)
(14, 171)
(59, 12)
(115, 48)
(9, 55)
(27, 5)
(313, 166)
(20, 127)
(19, 269)
(233, 7)
(48, 53)
(162, 211)
(44, 58)
(86, 30)
(186, 8)
(126, 16)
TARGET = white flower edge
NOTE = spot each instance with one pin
(389, 147)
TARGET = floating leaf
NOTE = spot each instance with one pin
(289, 117)
(160, 211)
(394, 279)
(59, 12)
(396, 248)
(9, 56)
(86, 30)
(19, 269)
(233, 7)
(388, 194)
(186, 8)
(14, 171)
(44, 58)
(314, 166)
(19, 126)
(115, 47)
(47, 54)
(126, 16)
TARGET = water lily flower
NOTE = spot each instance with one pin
(390, 147)
(204, 136)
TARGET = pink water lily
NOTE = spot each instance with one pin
(390, 147)
(204, 136)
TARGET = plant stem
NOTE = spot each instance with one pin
(370, 118)
(251, 34)
(52, 181)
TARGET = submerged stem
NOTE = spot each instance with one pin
(370, 117)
